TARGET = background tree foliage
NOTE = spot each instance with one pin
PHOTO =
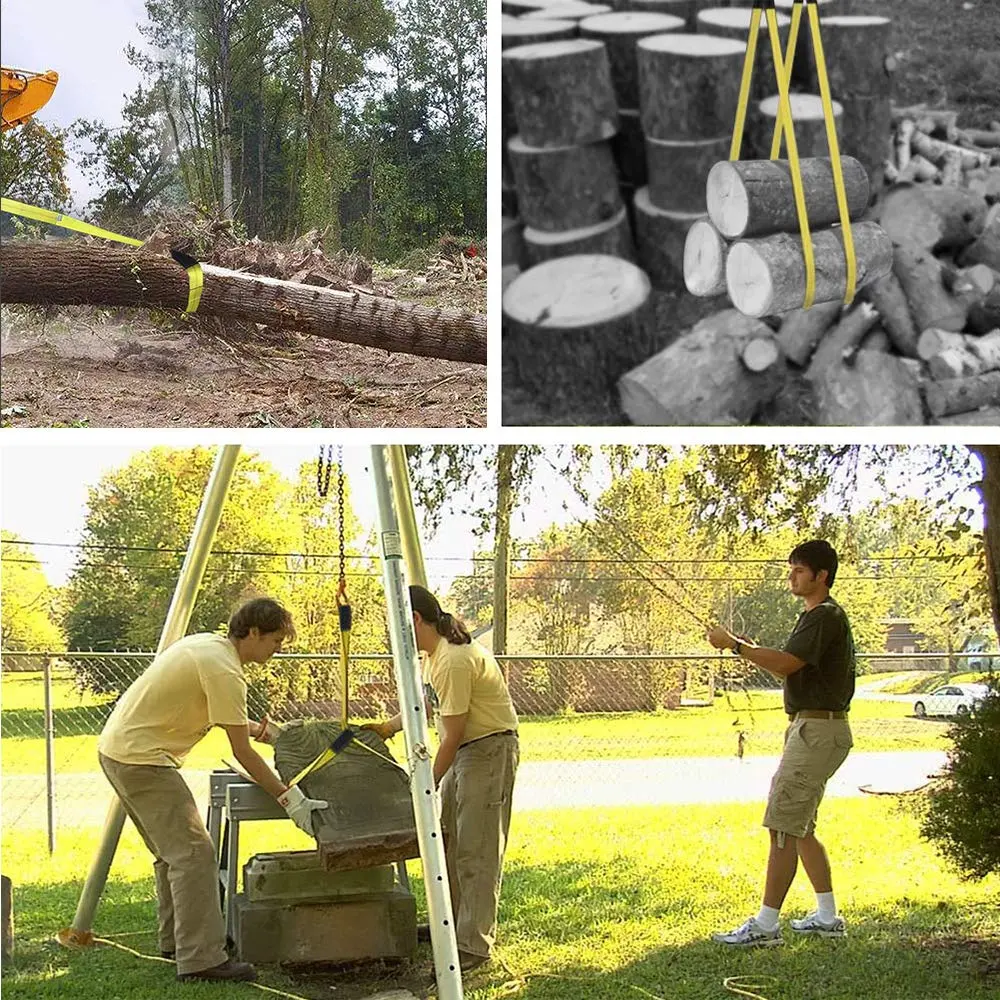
(33, 165)
(30, 605)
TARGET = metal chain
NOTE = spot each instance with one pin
(340, 508)
(323, 474)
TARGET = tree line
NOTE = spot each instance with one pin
(363, 119)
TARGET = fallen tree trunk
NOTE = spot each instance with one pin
(68, 272)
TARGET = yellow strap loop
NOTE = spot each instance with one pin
(196, 278)
(741, 108)
(64, 221)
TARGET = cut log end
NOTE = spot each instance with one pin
(760, 353)
(705, 260)
(726, 191)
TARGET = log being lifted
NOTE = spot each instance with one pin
(705, 253)
(71, 272)
(756, 197)
(703, 377)
(768, 275)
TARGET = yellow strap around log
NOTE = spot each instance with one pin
(784, 123)
(831, 131)
(195, 277)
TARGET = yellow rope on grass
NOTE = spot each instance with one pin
(733, 985)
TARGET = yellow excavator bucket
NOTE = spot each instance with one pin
(23, 92)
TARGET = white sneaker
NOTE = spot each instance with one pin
(812, 924)
(750, 935)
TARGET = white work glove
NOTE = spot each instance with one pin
(300, 809)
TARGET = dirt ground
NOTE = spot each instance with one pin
(83, 366)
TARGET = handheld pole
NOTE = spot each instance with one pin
(50, 757)
(79, 933)
(414, 717)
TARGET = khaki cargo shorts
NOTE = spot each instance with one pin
(814, 750)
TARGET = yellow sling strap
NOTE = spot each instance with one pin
(784, 128)
(52, 218)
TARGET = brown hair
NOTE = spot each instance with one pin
(817, 554)
(426, 604)
(263, 613)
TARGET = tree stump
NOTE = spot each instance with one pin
(678, 171)
(629, 148)
(810, 126)
(804, 67)
(574, 326)
(734, 22)
(876, 390)
(688, 86)
(931, 304)
(528, 31)
(686, 10)
(755, 197)
(701, 378)
(518, 7)
(570, 10)
(568, 187)
(613, 237)
(705, 253)
(768, 275)
(660, 236)
(962, 395)
(511, 245)
(561, 92)
(620, 32)
(860, 64)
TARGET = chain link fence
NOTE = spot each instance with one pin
(592, 727)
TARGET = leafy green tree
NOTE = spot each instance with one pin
(33, 165)
(472, 595)
(962, 813)
(30, 603)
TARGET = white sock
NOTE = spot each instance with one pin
(825, 906)
(768, 917)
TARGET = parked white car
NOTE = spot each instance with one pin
(950, 700)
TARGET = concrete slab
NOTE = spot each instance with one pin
(300, 875)
(364, 927)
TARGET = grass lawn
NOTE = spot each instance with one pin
(923, 682)
(597, 905)
(686, 732)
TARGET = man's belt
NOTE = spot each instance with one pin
(815, 713)
(505, 732)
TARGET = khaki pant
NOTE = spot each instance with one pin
(814, 750)
(160, 804)
(475, 819)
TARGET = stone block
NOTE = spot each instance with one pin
(300, 875)
(357, 928)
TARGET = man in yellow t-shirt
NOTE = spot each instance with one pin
(193, 685)
(475, 768)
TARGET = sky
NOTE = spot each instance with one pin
(84, 42)
(43, 494)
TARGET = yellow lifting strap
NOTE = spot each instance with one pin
(195, 277)
(784, 128)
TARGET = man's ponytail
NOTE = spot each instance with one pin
(426, 605)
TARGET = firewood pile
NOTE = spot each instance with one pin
(616, 144)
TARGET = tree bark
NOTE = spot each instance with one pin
(766, 276)
(837, 343)
(931, 304)
(986, 248)
(810, 126)
(962, 395)
(984, 315)
(678, 172)
(877, 390)
(514, 31)
(888, 297)
(561, 92)
(566, 188)
(935, 218)
(988, 416)
(619, 32)
(660, 237)
(701, 378)
(575, 325)
(76, 273)
(613, 237)
(756, 197)
(689, 86)
(989, 489)
(802, 329)
(501, 557)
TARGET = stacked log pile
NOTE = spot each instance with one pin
(920, 192)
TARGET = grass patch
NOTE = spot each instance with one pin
(924, 682)
(595, 904)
